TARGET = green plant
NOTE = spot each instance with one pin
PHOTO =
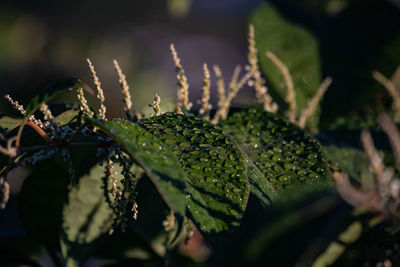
(248, 181)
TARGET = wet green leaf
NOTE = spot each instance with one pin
(279, 153)
(295, 46)
(160, 164)
(216, 173)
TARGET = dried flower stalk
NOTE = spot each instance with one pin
(21, 109)
(156, 105)
(100, 94)
(83, 104)
(221, 93)
(313, 103)
(259, 84)
(384, 196)
(350, 194)
(10, 150)
(4, 192)
(110, 176)
(235, 78)
(44, 108)
(220, 85)
(205, 97)
(233, 91)
(393, 133)
(392, 90)
(291, 93)
(375, 159)
(169, 222)
(183, 91)
(125, 88)
(224, 102)
(135, 210)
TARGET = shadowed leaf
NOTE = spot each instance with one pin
(160, 164)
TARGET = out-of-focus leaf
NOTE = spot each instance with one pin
(7, 124)
(292, 231)
(51, 92)
(295, 45)
(160, 164)
(20, 251)
(41, 201)
(66, 117)
(350, 160)
(280, 154)
(179, 8)
(216, 174)
(352, 44)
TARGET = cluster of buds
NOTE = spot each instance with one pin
(257, 81)
(122, 189)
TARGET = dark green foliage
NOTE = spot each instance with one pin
(51, 92)
(295, 46)
(281, 153)
(291, 232)
(43, 218)
(217, 186)
(353, 40)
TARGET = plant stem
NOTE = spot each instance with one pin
(37, 129)
(345, 239)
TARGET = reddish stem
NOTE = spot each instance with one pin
(37, 129)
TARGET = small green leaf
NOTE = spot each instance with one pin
(51, 92)
(47, 95)
(160, 164)
(7, 124)
(66, 117)
(216, 174)
(279, 153)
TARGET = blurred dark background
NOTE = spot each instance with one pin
(44, 41)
